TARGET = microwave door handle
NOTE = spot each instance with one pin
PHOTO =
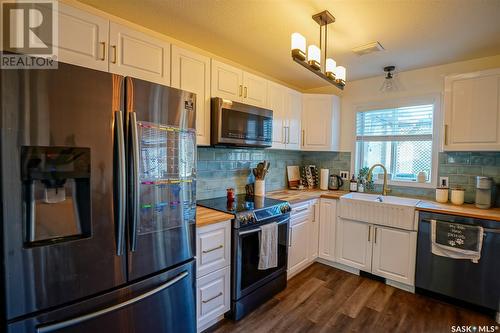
(135, 181)
(121, 181)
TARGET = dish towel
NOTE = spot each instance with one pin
(457, 241)
(268, 253)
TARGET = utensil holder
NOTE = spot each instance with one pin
(260, 187)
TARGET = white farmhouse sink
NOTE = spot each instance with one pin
(387, 199)
(379, 209)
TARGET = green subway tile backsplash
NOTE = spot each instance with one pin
(463, 167)
(221, 168)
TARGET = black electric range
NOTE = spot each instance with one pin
(251, 286)
(248, 210)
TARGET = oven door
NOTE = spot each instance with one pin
(247, 276)
(238, 124)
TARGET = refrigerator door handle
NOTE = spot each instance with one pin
(92, 315)
(121, 180)
(135, 181)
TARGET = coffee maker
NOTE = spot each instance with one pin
(483, 192)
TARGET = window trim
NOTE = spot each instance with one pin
(435, 100)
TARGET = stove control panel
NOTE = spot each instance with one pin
(251, 217)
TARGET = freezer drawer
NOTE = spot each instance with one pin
(163, 303)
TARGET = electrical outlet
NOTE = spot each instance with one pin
(344, 175)
(443, 182)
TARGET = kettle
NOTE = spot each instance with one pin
(335, 182)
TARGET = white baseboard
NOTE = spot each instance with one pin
(210, 323)
(351, 270)
(400, 285)
(338, 265)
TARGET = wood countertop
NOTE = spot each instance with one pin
(468, 210)
(206, 216)
(296, 196)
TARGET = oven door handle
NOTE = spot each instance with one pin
(258, 229)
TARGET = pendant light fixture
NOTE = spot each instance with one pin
(326, 69)
(390, 83)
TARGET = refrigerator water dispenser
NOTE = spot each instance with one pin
(56, 193)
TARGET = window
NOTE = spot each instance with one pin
(399, 138)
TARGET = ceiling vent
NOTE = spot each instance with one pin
(368, 48)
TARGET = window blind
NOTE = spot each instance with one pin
(412, 123)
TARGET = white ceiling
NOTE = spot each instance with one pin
(256, 33)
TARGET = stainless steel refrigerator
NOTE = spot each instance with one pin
(97, 203)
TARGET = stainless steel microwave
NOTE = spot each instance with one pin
(238, 124)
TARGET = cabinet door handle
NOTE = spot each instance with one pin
(240, 91)
(314, 213)
(114, 54)
(375, 235)
(288, 134)
(103, 50)
(446, 135)
(303, 137)
(245, 90)
(284, 134)
(213, 249)
(369, 232)
(212, 298)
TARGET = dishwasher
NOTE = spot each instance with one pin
(461, 279)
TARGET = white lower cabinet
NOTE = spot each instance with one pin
(303, 236)
(327, 217)
(394, 254)
(213, 251)
(212, 297)
(383, 251)
(298, 255)
(354, 246)
(314, 231)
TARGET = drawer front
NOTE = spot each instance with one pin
(300, 211)
(212, 296)
(213, 247)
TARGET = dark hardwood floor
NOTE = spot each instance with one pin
(325, 299)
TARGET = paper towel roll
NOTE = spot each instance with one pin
(323, 185)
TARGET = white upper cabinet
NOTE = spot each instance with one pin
(277, 99)
(472, 111)
(294, 115)
(133, 53)
(394, 253)
(254, 90)
(227, 81)
(191, 72)
(320, 122)
(237, 85)
(286, 105)
(83, 38)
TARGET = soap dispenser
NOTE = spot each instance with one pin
(353, 184)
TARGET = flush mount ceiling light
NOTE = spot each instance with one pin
(390, 83)
(326, 69)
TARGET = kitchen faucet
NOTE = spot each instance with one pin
(369, 177)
